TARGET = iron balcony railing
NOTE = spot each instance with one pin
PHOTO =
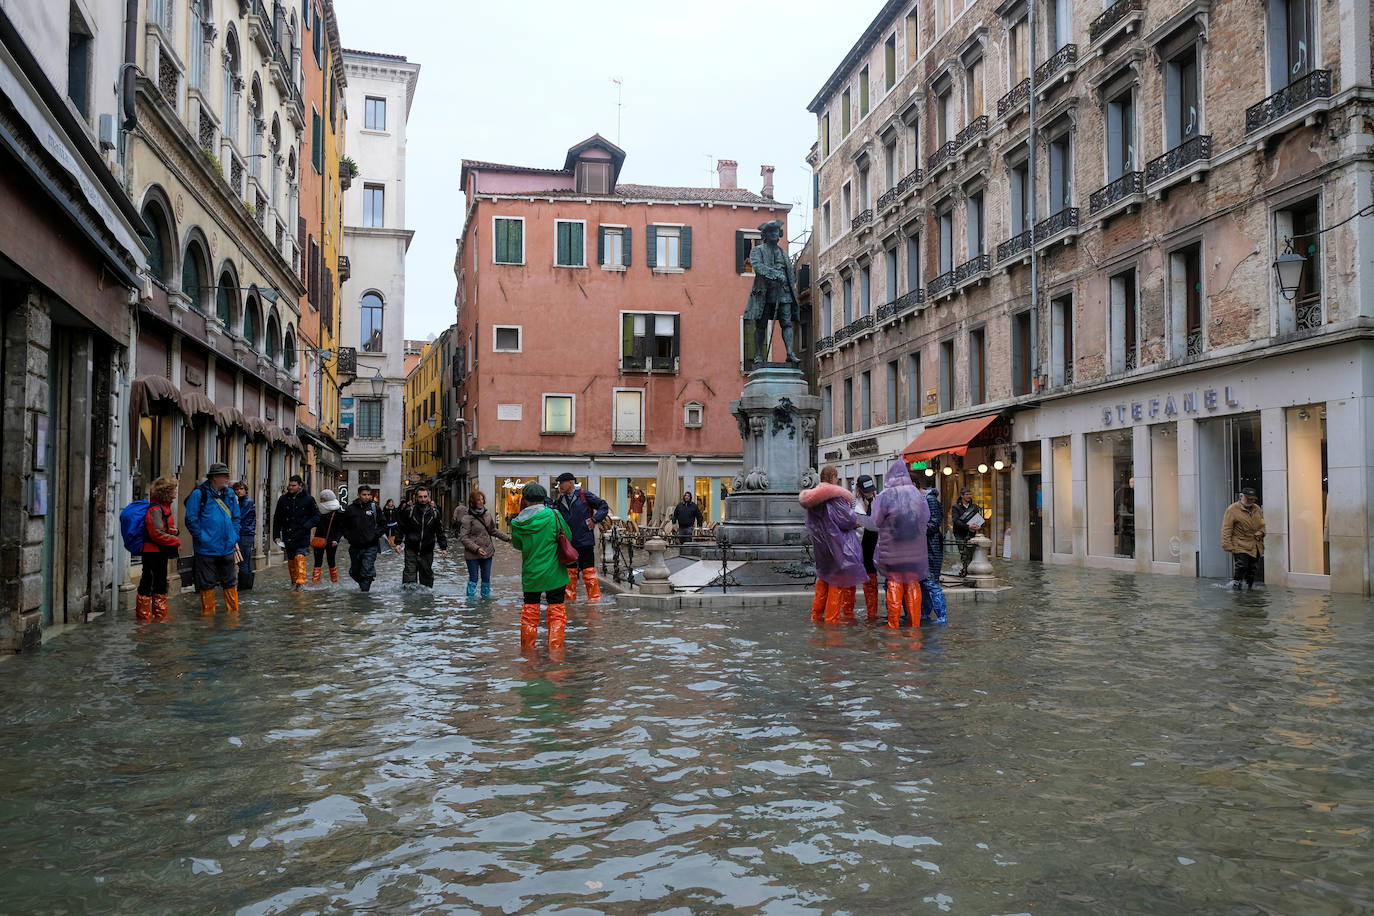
(1111, 16)
(1195, 346)
(1015, 245)
(1308, 315)
(975, 128)
(910, 181)
(887, 310)
(864, 218)
(844, 333)
(648, 363)
(1057, 62)
(888, 198)
(1119, 189)
(1056, 223)
(940, 284)
(1195, 149)
(825, 343)
(1068, 373)
(1315, 85)
(971, 268)
(910, 300)
(862, 324)
(627, 436)
(1019, 95)
(941, 155)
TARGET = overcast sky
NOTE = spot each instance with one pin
(523, 80)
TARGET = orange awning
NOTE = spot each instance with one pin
(950, 437)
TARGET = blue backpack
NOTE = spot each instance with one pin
(132, 519)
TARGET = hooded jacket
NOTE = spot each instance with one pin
(901, 514)
(422, 527)
(294, 518)
(935, 539)
(475, 531)
(833, 524)
(212, 517)
(534, 533)
(362, 524)
(248, 521)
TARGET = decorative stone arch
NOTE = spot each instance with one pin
(160, 219)
(228, 303)
(252, 319)
(288, 349)
(196, 281)
(372, 318)
(272, 340)
(232, 81)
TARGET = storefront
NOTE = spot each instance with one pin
(975, 454)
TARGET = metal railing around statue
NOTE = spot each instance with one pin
(621, 565)
(726, 580)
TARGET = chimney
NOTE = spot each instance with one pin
(767, 173)
(726, 170)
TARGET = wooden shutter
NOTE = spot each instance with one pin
(601, 244)
(651, 246)
(564, 243)
(627, 337)
(625, 246)
(301, 235)
(686, 260)
(677, 336)
(741, 250)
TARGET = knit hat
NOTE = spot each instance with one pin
(329, 501)
(534, 493)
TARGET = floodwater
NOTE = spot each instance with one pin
(1099, 743)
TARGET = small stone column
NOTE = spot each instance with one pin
(655, 580)
(980, 571)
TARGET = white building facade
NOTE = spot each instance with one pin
(381, 88)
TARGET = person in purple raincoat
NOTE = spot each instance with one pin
(833, 525)
(901, 513)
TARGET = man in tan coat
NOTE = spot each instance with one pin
(1242, 536)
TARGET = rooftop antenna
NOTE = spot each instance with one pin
(710, 169)
(619, 88)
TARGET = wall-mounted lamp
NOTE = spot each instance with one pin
(930, 472)
(946, 470)
(998, 464)
(982, 469)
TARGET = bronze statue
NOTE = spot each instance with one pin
(774, 296)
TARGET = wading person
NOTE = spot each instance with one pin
(867, 489)
(362, 527)
(1242, 536)
(582, 511)
(687, 517)
(774, 296)
(833, 524)
(161, 545)
(421, 527)
(292, 523)
(212, 517)
(966, 519)
(901, 514)
(325, 543)
(390, 518)
(476, 528)
(534, 532)
(248, 533)
(932, 594)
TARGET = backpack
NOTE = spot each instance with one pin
(132, 519)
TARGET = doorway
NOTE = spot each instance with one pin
(1229, 458)
(1033, 521)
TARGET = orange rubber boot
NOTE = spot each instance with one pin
(159, 607)
(913, 602)
(231, 600)
(333, 574)
(143, 608)
(834, 604)
(207, 602)
(298, 577)
(871, 596)
(894, 605)
(570, 593)
(818, 602)
(315, 574)
(558, 622)
(847, 602)
(593, 585)
(529, 624)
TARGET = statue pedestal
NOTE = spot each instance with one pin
(980, 572)
(777, 421)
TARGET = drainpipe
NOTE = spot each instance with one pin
(1034, 196)
(130, 65)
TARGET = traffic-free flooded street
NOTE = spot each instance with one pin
(1100, 743)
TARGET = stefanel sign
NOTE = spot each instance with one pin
(1152, 408)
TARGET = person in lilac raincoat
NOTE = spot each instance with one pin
(901, 514)
(835, 542)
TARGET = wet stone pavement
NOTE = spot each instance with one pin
(1099, 743)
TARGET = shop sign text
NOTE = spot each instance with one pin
(1168, 407)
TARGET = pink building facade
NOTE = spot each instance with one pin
(599, 330)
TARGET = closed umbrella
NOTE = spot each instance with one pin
(668, 494)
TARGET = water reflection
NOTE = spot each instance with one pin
(1101, 743)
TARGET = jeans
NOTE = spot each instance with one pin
(479, 567)
(362, 565)
(419, 563)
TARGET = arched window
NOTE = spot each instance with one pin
(225, 297)
(193, 275)
(252, 322)
(273, 348)
(233, 85)
(158, 241)
(273, 150)
(288, 353)
(255, 128)
(372, 323)
(197, 42)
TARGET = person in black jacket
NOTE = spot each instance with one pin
(292, 523)
(421, 526)
(867, 489)
(248, 533)
(363, 529)
(582, 510)
(687, 517)
(966, 519)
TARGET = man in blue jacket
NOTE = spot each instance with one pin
(582, 510)
(212, 517)
(248, 533)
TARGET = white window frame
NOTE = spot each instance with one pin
(583, 224)
(523, 240)
(827, 223)
(544, 413)
(619, 229)
(518, 329)
(757, 238)
(375, 98)
(615, 415)
(675, 231)
(694, 415)
(620, 359)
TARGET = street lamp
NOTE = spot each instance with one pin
(378, 383)
(1288, 267)
(433, 422)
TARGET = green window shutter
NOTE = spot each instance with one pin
(627, 337)
(317, 142)
(677, 336)
(625, 246)
(577, 243)
(686, 247)
(565, 243)
(499, 241)
(651, 246)
(601, 244)
(741, 251)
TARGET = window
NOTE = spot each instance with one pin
(669, 247)
(826, 233)
(509, 246)
(1124, 351)
(317, 142)
(693, 414)
(1181, 98)
(865, 399)
(593, 177)
(976, 242)
(370, 476)
(193, 277)
(1018, 52)
(649, 342)
(944, 14)
(506, 339)
(977, 376)
(892, 391)
(318, 43)
(367, 422)
(1019, 190)
(79, 64)
(827, 411)
(973, 88)
(913, 262)
(844, 114)
(946, 374)
(613, 246)
(944, 115)
(945, 223)
(890, 63)
(865, 195)
(558, 414)
(629, 417)
(890, 173)
(160, 12)
(847, 284)
(272, 344)
(913, 385)
(156, 241)
(890, 258)
(1057, 27)
(288, 351)
(1291, 43)
(1186, 302)
(374, 113)
(865, 290)
(848, 405)
(1021, 368)
(1301, 222)
(372, 323)
(825, 134)
(846, 205)
(1121, 135)
(197, 43)
(224, 300)
(570, 248)
(827, 313)
(1061, 340)
(374, 206)
(863, 93)
(746, 240)
(1061, 173)
(913, 38)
